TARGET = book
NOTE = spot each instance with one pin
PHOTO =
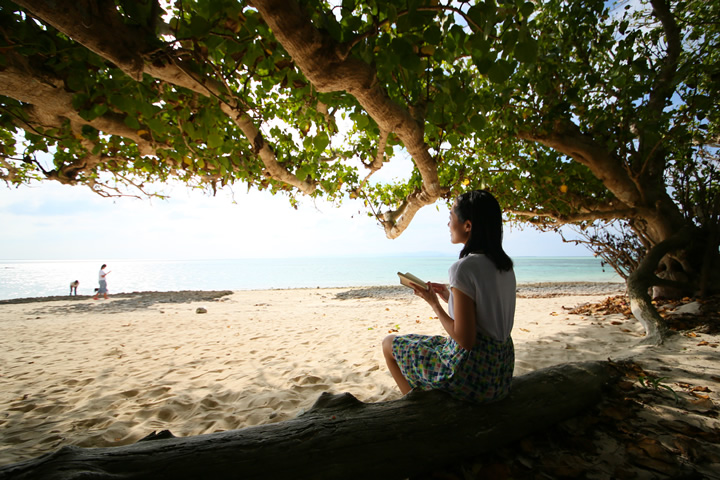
(408, 279)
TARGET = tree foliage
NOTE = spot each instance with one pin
(569, 111)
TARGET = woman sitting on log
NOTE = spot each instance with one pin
(476, 361)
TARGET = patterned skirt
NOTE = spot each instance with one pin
(436, 362)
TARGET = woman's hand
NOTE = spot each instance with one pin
(441, 289)
(429, 295)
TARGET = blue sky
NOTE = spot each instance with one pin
(50, 221)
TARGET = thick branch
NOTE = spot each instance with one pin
(317, 56)
(643, 277)
(104, 32)
(396, 221)
(666, 81)
(49, 105)
(577, 217)
(567, 139)
(96, 25)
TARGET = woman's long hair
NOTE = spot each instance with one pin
(483, 211)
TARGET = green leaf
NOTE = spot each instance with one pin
(484, 65)
(303, 172)
(321, 141)
(478, 122)
(527, 9)
(403, 50)
(214, 140)
(526, 50)
(479, 44)
(500, 71)
(433, 35)
(132, 122)
(199, 26)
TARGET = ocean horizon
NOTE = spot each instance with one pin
(43, 278)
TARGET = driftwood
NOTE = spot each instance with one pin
(341, 437)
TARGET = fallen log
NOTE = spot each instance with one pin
(341, 437)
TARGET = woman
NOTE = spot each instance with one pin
(476, 361)
(103, 283)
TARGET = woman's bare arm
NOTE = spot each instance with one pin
(462, 329)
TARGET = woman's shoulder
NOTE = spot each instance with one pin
(476, 262)
(470, 263)
(473, 259)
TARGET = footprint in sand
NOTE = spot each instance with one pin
(306, 379)
(158, 392)
(166, 414)
(209, 402)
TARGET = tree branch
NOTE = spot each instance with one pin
(566, 138)
(104, 32)
(316, 55)
(666, 82)
(100, 30)
(559, 218)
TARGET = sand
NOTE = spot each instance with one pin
(74, 371)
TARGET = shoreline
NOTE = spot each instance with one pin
(524, 290)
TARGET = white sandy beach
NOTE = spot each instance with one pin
(109, 372)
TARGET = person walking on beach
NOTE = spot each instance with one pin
(103, 283)
(476, 361)
(73, 287)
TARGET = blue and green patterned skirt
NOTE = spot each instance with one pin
(436, 362)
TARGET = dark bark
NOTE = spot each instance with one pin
(644, 278)
(341, 437)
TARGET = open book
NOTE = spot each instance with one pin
(408, 279)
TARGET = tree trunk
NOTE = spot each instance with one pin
(341, 437)
(645, 312)
(644, 278)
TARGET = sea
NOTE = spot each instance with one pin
(25, 279)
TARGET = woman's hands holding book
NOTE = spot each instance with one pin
(441, 289)
(429, 295)
(432, 293)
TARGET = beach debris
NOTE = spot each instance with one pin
(618, 304)
(692, 308)
(201, 310)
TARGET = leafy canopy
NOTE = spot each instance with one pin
(569, 112)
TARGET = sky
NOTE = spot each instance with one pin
(50, 221)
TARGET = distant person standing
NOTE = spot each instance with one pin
(103, 283)
(73, 287)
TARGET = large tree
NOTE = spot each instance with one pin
(569, 112)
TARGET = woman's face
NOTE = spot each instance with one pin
(459, 231)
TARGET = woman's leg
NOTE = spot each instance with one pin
(393, 365)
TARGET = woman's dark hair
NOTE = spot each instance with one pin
(483, 211)
(103, 266)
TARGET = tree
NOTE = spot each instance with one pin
(569, 112)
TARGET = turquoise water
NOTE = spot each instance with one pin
(20, 279)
